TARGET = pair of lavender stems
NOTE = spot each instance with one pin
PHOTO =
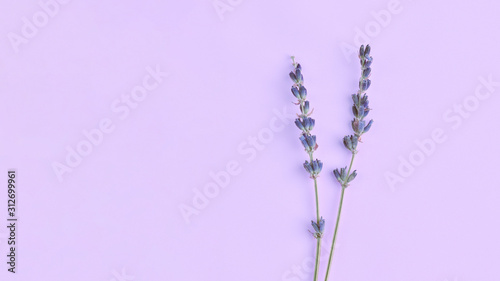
(306, 124)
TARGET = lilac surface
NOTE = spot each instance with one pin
(117, 213)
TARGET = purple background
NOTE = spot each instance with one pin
(118, 211)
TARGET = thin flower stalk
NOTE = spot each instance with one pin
(306, 124)
(360, 110)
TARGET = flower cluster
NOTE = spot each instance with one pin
(342, 176)
(308, 141)
(360, 109)
(318, 227)
(351, 143)
(304, 122)
(314, 167)
(360, 126)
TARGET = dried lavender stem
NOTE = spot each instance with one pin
(306, 124)
(318, 250)
(318, 245)
(360, 126)
(337, 223)
(316, 193)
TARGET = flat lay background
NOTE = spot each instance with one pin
(154, 140)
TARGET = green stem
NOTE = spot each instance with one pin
(317, 201)
(318, 250)
(315, 191)
(338, 220)
(350, 165)
(318, 244)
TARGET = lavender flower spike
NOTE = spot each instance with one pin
(313, 167)
(360, 126)
(318, 227)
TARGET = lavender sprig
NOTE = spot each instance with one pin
(360, 110)
(313, 167)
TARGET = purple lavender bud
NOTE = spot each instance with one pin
(354, 110)
(302, 139)
(308, 141)
(356, 125)
(364, 100)
(367, 51)
(337, 175)
(311, 141)
(302, 92)
(299, 67)
(361, 126)
(364, 84)
(368, 62)
(295, 92)
(304, 108)
(352, 176)
(355, 98)
(361, 111)
(315, 226)
(309, 123)
(293, 77)
(308, 167)
(368, 126)
(367, 72)
(317, 166)
(321, 225)
(348, 143)
(298, 72)
(343, 173)
(351, 143)
(313, 122)
(362, 51)
(354, 141)
(305, 122)
(299, 124)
